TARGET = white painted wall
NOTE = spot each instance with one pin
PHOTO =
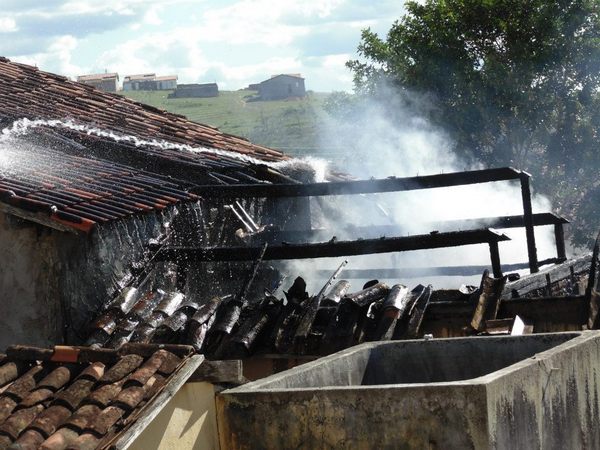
(188, 421)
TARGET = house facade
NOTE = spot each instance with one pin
(149, 82)
(107, 82)
(196, 90)
(280, 87)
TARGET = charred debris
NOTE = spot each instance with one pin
(222, 298)
(233, 312)
(254, 321)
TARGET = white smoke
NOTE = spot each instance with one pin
(373, 144)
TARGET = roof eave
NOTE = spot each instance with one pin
(156, 405)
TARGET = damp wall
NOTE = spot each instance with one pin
(30, 311)
(52, 282)
(95, 267)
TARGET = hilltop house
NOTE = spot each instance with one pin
(107, 82)
(280, 87)
(149, 82)
(195, 90)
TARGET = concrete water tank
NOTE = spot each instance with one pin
(521, 392)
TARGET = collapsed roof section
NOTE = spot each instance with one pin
(241, 325)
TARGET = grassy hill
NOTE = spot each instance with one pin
(289, 125)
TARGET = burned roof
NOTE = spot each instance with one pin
(82, 398)
(340, 316)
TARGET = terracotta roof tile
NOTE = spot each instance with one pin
(81, 192)
(53, 97)
(93, 179)
(82, 403)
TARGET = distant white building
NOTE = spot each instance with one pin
(149, 82)
(107, 82)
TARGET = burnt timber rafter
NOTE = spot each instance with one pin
(501, 222)
(373, 186)
(415, 272)
(341, 248)
(393, 184)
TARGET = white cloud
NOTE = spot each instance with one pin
(234, 44)
(8, 25)
(57, 58)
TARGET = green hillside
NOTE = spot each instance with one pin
(289, 125)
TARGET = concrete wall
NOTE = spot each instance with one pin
(551, 401)
(188, 421)
(548, 400)
(52, 282)
(30, 311)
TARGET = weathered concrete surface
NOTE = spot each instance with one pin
(29, 310)
(53, 282)
(538, 391)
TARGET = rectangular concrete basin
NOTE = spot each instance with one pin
(536, 391)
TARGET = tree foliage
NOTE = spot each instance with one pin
(513, 81)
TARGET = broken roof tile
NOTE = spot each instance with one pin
(124, 367)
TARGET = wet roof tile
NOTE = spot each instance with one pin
(79, 193)
(49, 403)
(80, 177)
(26, 91)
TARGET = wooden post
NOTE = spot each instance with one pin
(559, 237)
(489, 301)
(495, 257)
(528, 217)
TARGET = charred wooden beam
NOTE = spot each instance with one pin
(537, 281)
(414, 272)
(528, 217)
(334, 249)
(360, 187)
(488, 302)
(559, 238)
(501, 222)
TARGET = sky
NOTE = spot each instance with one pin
(231, 42)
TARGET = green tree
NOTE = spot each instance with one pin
(513, 81)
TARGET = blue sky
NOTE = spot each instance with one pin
(231, 42)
